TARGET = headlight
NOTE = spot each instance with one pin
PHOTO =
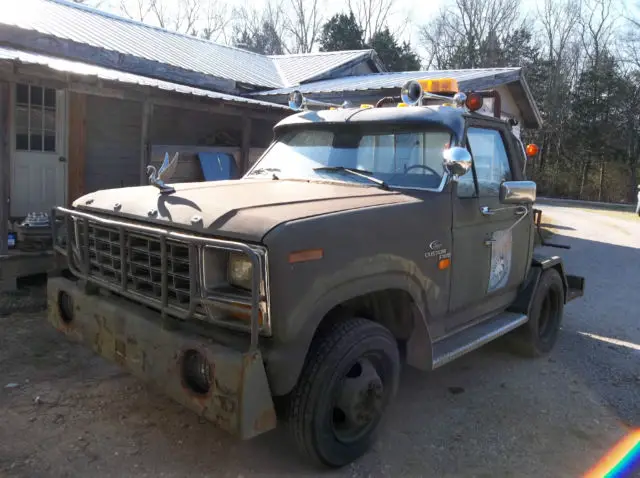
(240, 270)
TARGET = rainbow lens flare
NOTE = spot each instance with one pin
(622, 461)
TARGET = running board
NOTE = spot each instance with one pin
(472, 338)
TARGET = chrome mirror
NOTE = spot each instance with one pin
(296, 100)
(517, 192)
(457, 161)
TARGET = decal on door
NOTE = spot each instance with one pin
(501, 250)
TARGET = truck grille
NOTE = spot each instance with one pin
(142, 262)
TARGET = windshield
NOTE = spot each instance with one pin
(403, 159)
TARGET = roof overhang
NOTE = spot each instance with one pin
(78, 75)
(77, 32)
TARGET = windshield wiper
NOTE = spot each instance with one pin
(362, 173)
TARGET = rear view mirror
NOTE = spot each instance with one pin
(457, 161)
(517, 192)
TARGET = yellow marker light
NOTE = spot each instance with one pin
(402, 105)
(439, 85)
(245, 313)
(366, 106)
(306, 255)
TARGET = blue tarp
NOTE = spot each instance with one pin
(217, 166)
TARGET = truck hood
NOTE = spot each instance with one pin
(245, 209)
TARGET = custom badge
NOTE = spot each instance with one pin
(436, 249)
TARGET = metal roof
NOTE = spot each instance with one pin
(469, 79)
(380, 81)
(296, 69)
(83, 25)
(84, 69)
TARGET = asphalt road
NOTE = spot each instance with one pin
(488, 414)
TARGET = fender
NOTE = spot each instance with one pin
(539, 264)
(285, 362)
(545, 263)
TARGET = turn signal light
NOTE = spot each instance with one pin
(532, 150)
(245, 314)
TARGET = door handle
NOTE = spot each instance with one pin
(486, 211)
(62, 159)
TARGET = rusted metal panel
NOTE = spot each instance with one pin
(239, 400)
(77, 145)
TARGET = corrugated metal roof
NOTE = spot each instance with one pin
(119, 76)
(81, 24)
(295, 69)
(379, 81)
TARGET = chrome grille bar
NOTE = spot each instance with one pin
(155, 266)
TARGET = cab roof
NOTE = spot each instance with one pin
(437, 115)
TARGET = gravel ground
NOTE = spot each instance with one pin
(65, 412)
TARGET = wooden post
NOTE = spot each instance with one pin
(147, 115)
(5, 171)
(246, 144)
(77, 146)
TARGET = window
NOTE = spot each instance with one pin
(35, 118)
(490, 162)
(406, 159)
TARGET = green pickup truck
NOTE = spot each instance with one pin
(366, 237)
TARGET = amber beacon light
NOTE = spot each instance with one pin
(532, 150)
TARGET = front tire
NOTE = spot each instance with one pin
(538, 336)
(350, 377)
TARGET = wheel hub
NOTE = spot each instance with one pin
(361, 398)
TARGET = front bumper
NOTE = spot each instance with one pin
(238, 401)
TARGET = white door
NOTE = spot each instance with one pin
(39, 167)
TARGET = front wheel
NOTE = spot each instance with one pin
(350, 377)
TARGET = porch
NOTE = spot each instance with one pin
(69, 128)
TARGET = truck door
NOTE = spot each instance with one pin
(490, 240)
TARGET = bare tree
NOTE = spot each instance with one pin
(466, 35)
(216, 21)
(139, 10)
(180, 17)
(270, 21)
(558, 21)
(372, 15)
(304, 24)
(597, 25)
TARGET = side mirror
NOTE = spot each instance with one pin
(457, 161)
(518, 192)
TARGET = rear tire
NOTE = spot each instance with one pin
(538, 336)
(350, 377)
